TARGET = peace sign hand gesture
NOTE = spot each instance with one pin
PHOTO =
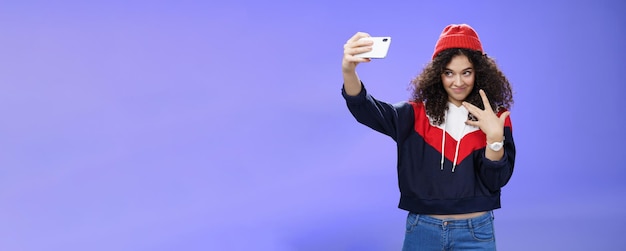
(488, 121)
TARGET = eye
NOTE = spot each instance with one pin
(467, 73)
(447, 73)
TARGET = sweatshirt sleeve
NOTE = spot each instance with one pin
(496, 174)
(378, 115)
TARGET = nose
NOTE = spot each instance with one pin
(458, 81)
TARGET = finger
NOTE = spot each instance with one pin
(357, 47)
(352, 58)
(472, 123)
(364, 42)
(358, 44)
(472, 109)
(486, 103)
(358, 36)
(504, 115)
(357, 50)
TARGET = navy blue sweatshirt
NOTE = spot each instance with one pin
(459, 179)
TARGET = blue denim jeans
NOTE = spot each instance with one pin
(427, 233)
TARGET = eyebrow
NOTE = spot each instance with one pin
(468, 68)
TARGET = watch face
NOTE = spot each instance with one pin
(496, 146)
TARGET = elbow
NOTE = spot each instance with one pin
(501, 178)
(496, 174)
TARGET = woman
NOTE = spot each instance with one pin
(454, 140)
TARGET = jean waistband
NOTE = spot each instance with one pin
(454, 223)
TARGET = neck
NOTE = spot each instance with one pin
(456, 102)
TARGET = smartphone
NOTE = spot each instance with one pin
(379, 49)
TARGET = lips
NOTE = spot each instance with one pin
(458, 90)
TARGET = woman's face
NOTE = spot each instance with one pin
(458, 79)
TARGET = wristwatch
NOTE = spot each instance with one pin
(496, 146)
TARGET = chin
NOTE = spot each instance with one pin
(460, 97)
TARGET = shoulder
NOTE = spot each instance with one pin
(419, 110)
(500, 110)
(416, 105)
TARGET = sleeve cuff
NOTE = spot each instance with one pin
(359, 98)
(495, 164)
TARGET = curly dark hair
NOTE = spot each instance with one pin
(427, 87)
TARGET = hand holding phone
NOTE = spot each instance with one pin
(379, 48)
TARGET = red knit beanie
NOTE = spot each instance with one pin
(458, 36)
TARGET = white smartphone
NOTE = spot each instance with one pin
(379, 49)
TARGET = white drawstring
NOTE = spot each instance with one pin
(443, 141)
(443, 144)
(456, 153)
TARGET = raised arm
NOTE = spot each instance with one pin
(351, 81)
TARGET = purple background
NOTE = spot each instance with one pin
(219, 125)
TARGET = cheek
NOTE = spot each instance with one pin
(446, 81)
(469, 80)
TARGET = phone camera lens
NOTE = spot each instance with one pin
(385, 39)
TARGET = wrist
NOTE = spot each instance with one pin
(348, 70)
(496, 146)
(494, 139)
